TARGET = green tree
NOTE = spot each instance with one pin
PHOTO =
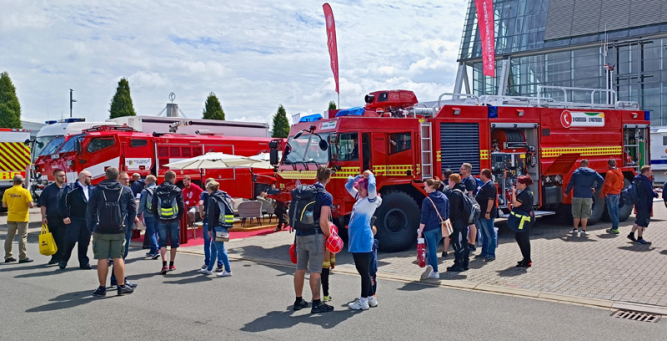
(213, 109)
(332, 105)
(10, 108)
(280, 123)
(121, 104)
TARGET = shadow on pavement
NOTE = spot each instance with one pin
(66, 301)
(286, 319)
(512, 272)
(637, 248)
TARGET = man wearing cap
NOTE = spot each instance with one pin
(17, 200)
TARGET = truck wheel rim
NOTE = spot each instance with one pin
(395, 221)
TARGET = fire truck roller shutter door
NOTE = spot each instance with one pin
(623, 212)
(397, 221)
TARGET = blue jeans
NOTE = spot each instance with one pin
(218, 251)
(489, 236)
(208, 246)
(612, 208)
(432, 239)
(151, 233)
(168, 229)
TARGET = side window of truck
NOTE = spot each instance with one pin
(99, 143)
(348, 147)
(138, 142)
(399, 142)
(664, 140)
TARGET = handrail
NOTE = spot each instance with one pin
(455, 94)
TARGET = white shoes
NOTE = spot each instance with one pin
(434, 275)
(427, 272)
(225, 274)
(359, 305)
(372, 301)
(583, 234)
(205, 271)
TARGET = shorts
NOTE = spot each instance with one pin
(107, 246)
(169, 232)
(582, 208)
(643, 218)
(310, 252)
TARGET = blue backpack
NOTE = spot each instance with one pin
(629, 194)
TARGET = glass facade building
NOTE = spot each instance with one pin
(559, 43)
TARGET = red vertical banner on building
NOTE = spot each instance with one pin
(331, 41)
(486, 24)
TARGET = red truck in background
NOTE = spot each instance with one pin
(404, 142)
(100, 147)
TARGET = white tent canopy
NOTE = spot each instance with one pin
(213, 161)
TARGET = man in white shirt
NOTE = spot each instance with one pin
(73, 206)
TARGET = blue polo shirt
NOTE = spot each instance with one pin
(50, 198)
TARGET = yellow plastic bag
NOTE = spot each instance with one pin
(47, 245)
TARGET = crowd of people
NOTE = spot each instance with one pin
(109, 213)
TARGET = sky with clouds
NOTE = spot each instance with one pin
(255, 55)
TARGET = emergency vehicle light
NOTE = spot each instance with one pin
(311, 118)
(358, 111)
(71, 120)
(647, 115)
(493, 111)
(51, 122)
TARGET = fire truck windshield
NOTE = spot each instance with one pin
(306, 149)
(38, 146)
(52, 146)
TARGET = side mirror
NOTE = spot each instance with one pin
(77, 146)
(27, 142)
(273, 156)
(324, 145)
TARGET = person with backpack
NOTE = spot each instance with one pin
(585, 182)
(106, 217)
(145, 213)
(168, 208)
(459, 220)
(208, 246)
(310, 211)
(470, 183)
(486, 198)
(434, 213)
(643, 187)
(521, 218)
(131, 222)
(73, 207)
(220, 216)
(611, 191)
(360, 243)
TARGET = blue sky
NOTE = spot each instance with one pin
(255, 55)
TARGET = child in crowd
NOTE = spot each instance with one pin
(327, 266)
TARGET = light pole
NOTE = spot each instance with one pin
(71, 100)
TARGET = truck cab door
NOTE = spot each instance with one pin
(379, 154)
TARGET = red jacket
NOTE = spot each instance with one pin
(191, 195)
(613, 182)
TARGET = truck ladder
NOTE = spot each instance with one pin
(426, 151)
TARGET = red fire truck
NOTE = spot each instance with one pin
(404, 143)
(101, 147)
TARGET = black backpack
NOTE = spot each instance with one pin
(167, 206)
(150, 192)
(302, 208)
(226, 208)
(110, 219)
(470, 207)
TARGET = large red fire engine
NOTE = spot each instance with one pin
(101, 147)
(404, 143)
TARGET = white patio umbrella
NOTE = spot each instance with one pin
(265, 156)
(212, 161)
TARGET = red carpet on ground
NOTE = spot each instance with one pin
(232, 235)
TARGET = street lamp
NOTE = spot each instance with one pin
(71, 100)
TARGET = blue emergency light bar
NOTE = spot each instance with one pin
(72, 120)
(647, 115)
(493, 112)
(51, 122)
(311, 118)
(358, 111)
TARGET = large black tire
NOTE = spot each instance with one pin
(599, 206)
(397, 221)
(623, 212)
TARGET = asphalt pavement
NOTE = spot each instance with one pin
(40, 302)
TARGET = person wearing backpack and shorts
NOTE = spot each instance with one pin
(643, 204)
(145, 213)
(310, 210)
(220, 216)
(108, 208)
(459, 220)
(168, 208)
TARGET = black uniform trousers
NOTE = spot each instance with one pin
(459, 241)
(77, 232)
(57, 229)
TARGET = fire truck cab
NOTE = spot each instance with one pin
(403, 142)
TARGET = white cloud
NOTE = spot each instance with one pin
(255, 55)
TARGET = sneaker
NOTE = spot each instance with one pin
(148, 254)
(26, 260)
(205, 266)
(100, 291)
(373, 301)
(481, 255)
(326, 299)
(85, 267)
(131, 284)
(10, 259)
(321, 308)
(613, 231)
(584, 233)
(426, 272)
(172, 267)
(631, 236)
(490, 259)
(455, 268)
(643, 241)
(574, 232)
(62, 265)
(300, 305)
(164, 270)
(433, 274)
(205, 271)
(444, 254)
(124, 290)
(359, 305)
(523, 264)
(156, 255)
(225, 274)
(53, 261)
(472, 247)
(219, 268)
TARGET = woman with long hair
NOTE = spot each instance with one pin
(435, 212)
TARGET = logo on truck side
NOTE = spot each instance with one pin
(581, 119)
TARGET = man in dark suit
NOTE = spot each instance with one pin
(73, 206)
